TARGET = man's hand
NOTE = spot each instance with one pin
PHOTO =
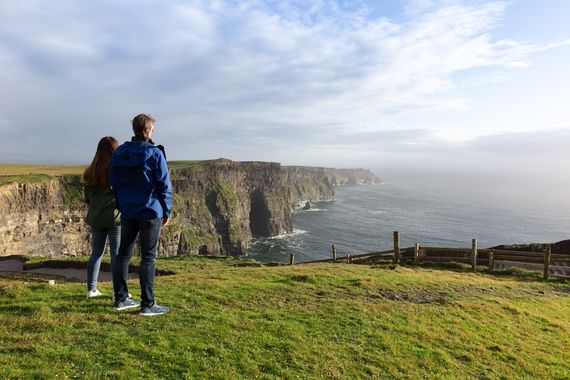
(164, 221)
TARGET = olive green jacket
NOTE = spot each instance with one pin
(103, 212)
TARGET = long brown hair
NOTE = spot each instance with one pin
(97, 173)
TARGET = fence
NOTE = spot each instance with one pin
(495, 259)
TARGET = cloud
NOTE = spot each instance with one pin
(221, 75)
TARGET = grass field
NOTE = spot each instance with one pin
(39, 169)
(28, 169)
(305, 321)
(20, 173)
(18, 170)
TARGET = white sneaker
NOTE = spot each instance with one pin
(94, 293)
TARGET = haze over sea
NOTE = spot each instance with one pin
(449, 213)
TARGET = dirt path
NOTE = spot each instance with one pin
(15, 265)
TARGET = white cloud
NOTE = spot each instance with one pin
(220, 74)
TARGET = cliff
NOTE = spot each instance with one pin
(308, 183)
(351, 176)
(42, 216)
(218, 207)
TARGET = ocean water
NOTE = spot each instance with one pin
(362, 218)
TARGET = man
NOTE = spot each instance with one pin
(139, 177)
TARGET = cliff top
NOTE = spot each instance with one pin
(57, 170)
(10, 173)
(27, 169)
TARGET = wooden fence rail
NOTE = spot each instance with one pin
(494, 259)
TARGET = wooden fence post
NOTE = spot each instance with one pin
(417, 253)
(396, 247)
(474, 255)
(491, 260)
(547, 262)
(333, 254)
(292, 259)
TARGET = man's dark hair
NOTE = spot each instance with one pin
(142, 125)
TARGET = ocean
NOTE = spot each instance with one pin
(362, 218)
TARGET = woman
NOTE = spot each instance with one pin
(103, 216)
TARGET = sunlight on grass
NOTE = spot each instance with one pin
(322, 320)
(18, 170)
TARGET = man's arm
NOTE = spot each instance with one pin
(164, 189)
(112, 181)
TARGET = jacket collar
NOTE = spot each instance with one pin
(139, 138)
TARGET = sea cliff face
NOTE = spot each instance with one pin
(43, 218)
(219, 206)
(351, 176)
(306, 183)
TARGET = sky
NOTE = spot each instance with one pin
(397, 86)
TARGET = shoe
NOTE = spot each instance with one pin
(126, 304)
(94, 293)
(129, 296)
(154, 310)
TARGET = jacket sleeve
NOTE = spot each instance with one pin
(112, 181)
(163, 186)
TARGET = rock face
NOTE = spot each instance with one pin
(218, 207)
(43, 218)
(305, 183)
(351, 176)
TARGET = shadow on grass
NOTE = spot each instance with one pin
(63, 305)
(230, 260)
(209, 257)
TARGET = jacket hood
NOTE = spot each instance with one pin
(133, 153)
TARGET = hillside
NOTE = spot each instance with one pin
(306, 321)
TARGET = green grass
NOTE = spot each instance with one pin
(19, 170)
(25, 169)
(24, 178)
(31, 173)
(185, 164)
(305, 321)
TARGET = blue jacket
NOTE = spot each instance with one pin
(140, 179)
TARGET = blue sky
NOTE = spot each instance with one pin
(434, 84)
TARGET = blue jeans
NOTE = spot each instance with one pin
(149, 231)
(99, 240)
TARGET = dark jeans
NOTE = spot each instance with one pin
(149, 231)
(98, 241)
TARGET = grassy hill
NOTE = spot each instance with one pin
(318, 320)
